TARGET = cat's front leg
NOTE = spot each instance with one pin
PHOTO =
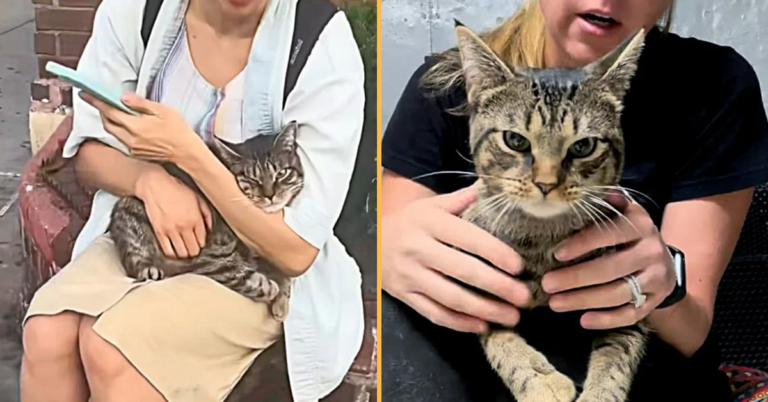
(612, 365)
(524, 370)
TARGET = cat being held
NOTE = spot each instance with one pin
(546, 145)
(268, 170)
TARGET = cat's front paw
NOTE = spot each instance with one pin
(551, 386)
(151, 274)
(262, 288)
(279, 308)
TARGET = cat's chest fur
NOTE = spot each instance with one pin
(534, 239)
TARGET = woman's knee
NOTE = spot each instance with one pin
(51, 337)
(102, 361)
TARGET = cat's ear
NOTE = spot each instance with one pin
(286, 140)
(617, 68)
(226, 155)
(482, 68)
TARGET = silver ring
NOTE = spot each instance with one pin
(638, 298)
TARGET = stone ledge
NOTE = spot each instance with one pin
(51, 104)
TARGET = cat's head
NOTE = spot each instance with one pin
(267, 167)
(542, 138)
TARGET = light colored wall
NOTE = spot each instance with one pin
(413, 28)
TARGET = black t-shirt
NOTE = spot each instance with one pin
(694, 126)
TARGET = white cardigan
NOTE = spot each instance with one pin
(324, 329)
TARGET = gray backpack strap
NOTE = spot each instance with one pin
(311, 18)
(151, 9)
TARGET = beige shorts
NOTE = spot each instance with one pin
(191, 337)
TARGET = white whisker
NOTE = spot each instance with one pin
(461, 173)
(578, 215)
(494, 225)
(597, 210)
(595, 219)
(604, 203)
(464, 157)
(629, 190)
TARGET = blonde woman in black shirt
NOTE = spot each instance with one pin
(696, 143)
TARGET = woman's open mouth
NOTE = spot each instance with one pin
(598, 24)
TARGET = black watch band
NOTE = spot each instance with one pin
(679, 292)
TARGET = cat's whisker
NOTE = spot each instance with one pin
(630, 190)
(576, 212)
(494, 225)
(456, 172)
(461, 173)
(579, 203)
(597, 210)
(601, 192)
(604, 203)
(600, 216)
(514, 223)
(495, 202)
(464, 157)
(486, 205)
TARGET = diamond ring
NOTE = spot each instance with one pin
(638, 298)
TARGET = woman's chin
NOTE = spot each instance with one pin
(241, 8)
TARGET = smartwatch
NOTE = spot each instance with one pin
(679, 292)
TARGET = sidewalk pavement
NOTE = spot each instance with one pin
(17, 70)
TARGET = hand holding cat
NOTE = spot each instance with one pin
(158, 133)
(418, 258)
(178, 215)
(599, 284)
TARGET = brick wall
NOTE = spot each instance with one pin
(63, 28)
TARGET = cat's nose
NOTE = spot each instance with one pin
(545, 187)
(269, 192)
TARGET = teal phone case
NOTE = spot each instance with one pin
(88, 85)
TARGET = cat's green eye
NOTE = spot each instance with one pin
(283, 173)
(516, 142)
(583, 147)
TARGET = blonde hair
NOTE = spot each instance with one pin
(518, 41)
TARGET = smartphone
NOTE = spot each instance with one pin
(88, 85)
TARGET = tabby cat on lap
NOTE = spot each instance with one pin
(546, 144)
(269, 172)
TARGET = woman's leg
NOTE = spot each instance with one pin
(51, 369)
(425, 362)
(111, 377)
(188, 336)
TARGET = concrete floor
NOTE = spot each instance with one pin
(17, 70)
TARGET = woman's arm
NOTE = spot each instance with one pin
(106, 168)
(706, 230)
(178, 215)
